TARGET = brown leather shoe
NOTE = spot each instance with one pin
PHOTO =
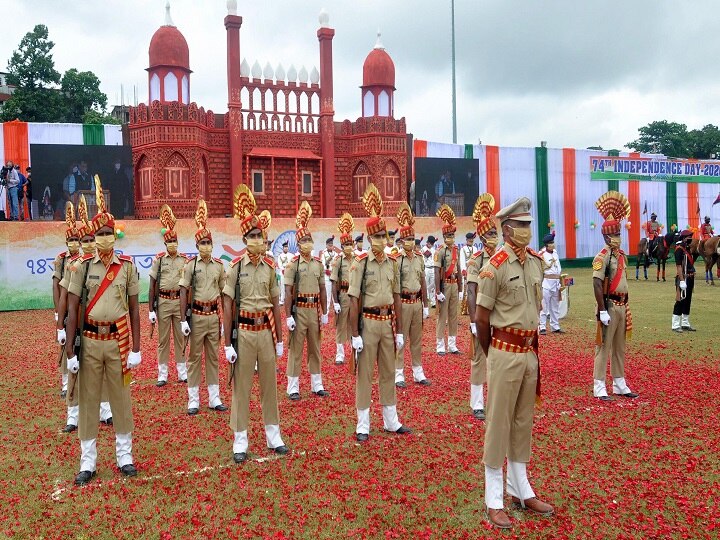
(499, 518)
(535, 505)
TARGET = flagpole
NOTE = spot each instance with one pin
(454, 95)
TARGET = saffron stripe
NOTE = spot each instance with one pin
(569, 202)
(492, 166)
(635, 217)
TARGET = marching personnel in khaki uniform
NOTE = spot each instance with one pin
(282, 261)
(200, 289)
(307, 309)
(611, 294)
(340, 279)
(61, 265)
(251, 318)
(375, 317)
(413, 297)
(165, 297)
(111, 284)
(428, 254)
(448, 283)
(507, 316)
(87, 245)
(487, 232)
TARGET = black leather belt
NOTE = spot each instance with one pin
(205, 308)
(381, 312)
(308, 299)
(411, 295)
(101, 329)
(169, 295)
(254, 321)
(619, 298)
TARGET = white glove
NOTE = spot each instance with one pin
(683, 285)
(56, 317)
(185, 328)
(73, 365)
(323, 319)
(426, 312)
(279, 349)
(605, 317)
(357, 343)
(152, 317)
(290, 323)
(336, 307)
(399, 341)
(230, 354)
(440, 297)
(61, 337)
(473, 328)
(134, 360)
(460, 295)
(222, 329)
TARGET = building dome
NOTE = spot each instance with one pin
(378, 69)
(169, 48)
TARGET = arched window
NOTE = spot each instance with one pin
(154, 87)
(171, 87)
(368, 104)
(185, 90)
(391, 182)
(202, 179)
(144, 176)
(177, 178)
(384, 104)
(360, 179)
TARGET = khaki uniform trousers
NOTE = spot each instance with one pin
(169, 318)
(307, 328)
(254, 347)
(63, 363)
(613, 346)
(448, 311)
(412, 332)
(74, 400)
(511, 378)
(102, 358)
(205, 334)
(378, 346)
(342, 332)
(478, 364)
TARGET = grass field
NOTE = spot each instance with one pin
(646, 468)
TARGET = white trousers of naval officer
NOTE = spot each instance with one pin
(551, 304)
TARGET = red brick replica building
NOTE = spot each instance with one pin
(279, 135)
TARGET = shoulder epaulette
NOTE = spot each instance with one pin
(361, 256)
(62, 255)
(269, 261)
(125, 258)
(317, 259)
(88, 256)
(76, 256)
(190, 258)
(217, 260)
(534, 253)
(621, 252)
(295, 258)
(184, 255)
(235, 261)
(476, 255)
(160, 255)
(393, 256)
(603, 251)
(499, 258)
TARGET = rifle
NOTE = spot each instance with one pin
(360, 315)
(296, 283)
(188, 308)
(156, 296)
(235, 336)
(339, 280)
(601, 328)
(78, 345)
(442, 272)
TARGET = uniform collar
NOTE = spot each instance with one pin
(372, 257)
(114, 259)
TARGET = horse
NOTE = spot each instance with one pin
(710, 251)
(662, 253)
(642, 255)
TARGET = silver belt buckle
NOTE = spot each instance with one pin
(103, 330)
(383, 312)
(529, 341)
(206, 309)
(259, 321)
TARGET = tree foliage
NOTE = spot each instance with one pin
(41, 94)
(674, 140)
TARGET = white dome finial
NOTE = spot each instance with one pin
(324, 19)
(168, 18)
(378, 43)
(232, 7)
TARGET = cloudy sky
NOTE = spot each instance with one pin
(570, 72)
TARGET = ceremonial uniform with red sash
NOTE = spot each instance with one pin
(447, 258)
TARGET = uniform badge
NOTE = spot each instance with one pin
(487, 274)
(110, 276)
(597, 264)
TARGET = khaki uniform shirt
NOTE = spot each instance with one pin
(113, 304)
(446, 253)
(475, 265)
(411, 272)
(71, 261)
(258, 285)
(61, 264)
(600, 264)
(209, 278)
(311, 275)
(341, 269)
(171, 272)
(382, 280)
(510, 290)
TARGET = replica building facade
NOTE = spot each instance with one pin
(279, 135)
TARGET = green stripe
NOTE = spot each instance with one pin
(671, 205)
(614, 185)
(542, 198)
(94, 134)
(468, 151)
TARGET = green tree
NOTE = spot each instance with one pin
(668, 138)
(32, 70)
(704, 143)
(81, 93)
(95, 117)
